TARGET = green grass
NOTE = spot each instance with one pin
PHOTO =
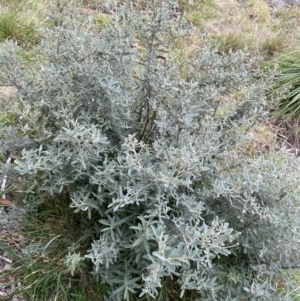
(199, 11)
(21, 30)
(20, 21)
(230, 41)
(260, 10)
(52, 232)
(273, 45)
(294, 291)
(289, 81)
(7, 119)
(102, 19)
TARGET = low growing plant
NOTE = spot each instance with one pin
(288, 81)
(168, 192)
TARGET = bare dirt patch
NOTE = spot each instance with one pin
(7, 90)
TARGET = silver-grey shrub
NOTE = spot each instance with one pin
(154, 152)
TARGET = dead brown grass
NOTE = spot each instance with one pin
(253, 25)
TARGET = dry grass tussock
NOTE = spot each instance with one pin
(256, 25)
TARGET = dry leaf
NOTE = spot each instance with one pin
(6, 202)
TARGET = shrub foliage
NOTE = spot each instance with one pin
(154, 153)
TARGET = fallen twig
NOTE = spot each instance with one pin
(3, 185)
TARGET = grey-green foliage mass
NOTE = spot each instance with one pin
(155, 154)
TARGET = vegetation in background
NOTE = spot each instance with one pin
(45, 264)
(289, 82)
(262, 28)
(21, 22)
(286, 113)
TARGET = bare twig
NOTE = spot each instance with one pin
(3, 185)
